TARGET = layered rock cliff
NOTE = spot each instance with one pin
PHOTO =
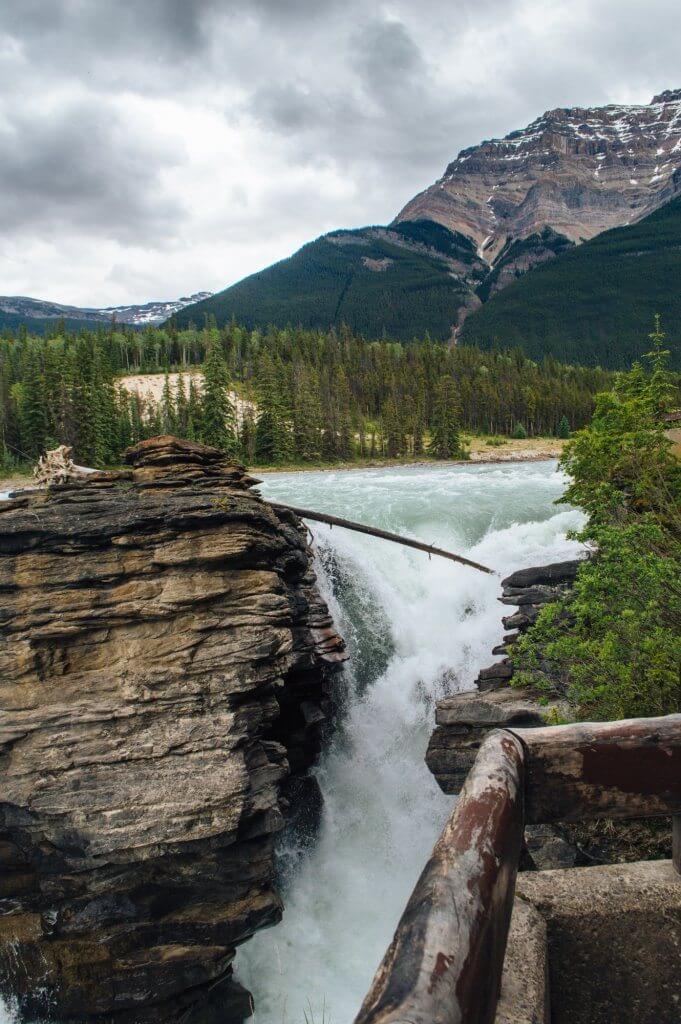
(166, 671)
(577, 171)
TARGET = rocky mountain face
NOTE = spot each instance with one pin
(577, 171)
(148, 313)
(500, 209)
(167, 668)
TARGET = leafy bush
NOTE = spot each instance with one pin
(613, 646)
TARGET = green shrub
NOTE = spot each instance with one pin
(612, 647)
(519, 432)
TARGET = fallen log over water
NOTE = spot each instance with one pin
(373, 531)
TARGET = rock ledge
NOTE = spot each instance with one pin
(166, 666)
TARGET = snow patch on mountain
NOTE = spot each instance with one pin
(148, 313)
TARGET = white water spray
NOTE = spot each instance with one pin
(416, 629)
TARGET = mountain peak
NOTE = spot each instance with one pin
(668, 96)
(28, 310)
(576, 170)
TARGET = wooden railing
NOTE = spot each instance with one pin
(445, 962)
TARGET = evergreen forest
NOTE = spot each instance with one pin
(304, 396)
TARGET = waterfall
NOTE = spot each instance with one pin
(416, 630)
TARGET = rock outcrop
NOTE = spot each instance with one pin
(464, 719)
(576, 171)
(166, 678)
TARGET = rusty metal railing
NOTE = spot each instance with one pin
(445, 962)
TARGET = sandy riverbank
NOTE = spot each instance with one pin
(526, 450)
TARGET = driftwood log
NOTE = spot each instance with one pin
(374, 531)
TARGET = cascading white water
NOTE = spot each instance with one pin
(416, 629)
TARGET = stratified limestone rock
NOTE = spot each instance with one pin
(569, 175)
(165, 666)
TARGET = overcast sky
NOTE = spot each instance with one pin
(152, 148)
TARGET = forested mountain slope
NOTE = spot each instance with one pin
(594, 304)
(397, 283)
(501, 209)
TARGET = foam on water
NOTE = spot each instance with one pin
(416, 629)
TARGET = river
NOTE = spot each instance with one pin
(416, 629)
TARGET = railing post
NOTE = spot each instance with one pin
(676, 843)
(445, 962)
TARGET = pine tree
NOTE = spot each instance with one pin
(218, 420)
(563, 428)
(445, 439)
(519, 432)
(33, 416)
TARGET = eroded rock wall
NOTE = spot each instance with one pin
(166, 667)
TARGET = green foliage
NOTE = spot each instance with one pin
(218, 421)
(613, 647)
(273, 437)
(591, 304)
(310, 396)
(446, 440)
(519, 432)
(379, 288)
(563, 428)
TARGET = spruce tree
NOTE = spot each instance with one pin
(168, 409)
(33, 416)
(181, 407)
(273, 441)
(563, 428)
(218, 420)
(194, 411)
(307, 416)
(445, 436)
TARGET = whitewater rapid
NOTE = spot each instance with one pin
(416, 629)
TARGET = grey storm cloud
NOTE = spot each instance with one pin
(80, 168)
(329, 113)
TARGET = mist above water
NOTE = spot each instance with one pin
(417, 629)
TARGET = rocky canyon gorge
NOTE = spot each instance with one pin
(167, 669)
